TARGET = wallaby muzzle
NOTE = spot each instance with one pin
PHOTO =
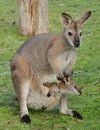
(77, 43)
(79, 91)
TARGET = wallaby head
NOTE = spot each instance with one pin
(73, 28)
(71, 87)
(66, 86)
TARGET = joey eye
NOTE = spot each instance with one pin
(70, 33)
(80, 33)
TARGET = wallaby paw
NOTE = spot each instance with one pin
(26, 119)
(60, 77)
(67, 75)
(77, 115)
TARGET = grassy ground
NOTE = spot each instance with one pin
(87, 69)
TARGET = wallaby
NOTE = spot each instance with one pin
(42, 59)
(65, 86)
(57, 89)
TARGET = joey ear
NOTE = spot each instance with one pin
(67, 78)
(83, 18)
(65, 19)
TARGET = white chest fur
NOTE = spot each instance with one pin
(67, 60)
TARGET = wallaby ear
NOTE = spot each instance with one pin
(65, 19)
(83, 18)
(67, 79)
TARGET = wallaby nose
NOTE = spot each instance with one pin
(77, 43)
(80, 92)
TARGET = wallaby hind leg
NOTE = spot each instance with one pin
(65, 110)
(22, 97)
(20, 77)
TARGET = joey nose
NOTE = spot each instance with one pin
(80, 92)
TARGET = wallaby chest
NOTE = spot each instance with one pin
(67, 59)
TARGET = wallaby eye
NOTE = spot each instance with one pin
(80, 33)
(70, 33)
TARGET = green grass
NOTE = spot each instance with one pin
(87, 69)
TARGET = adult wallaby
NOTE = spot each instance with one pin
(42, 59)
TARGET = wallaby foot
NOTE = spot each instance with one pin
(72, 113)
(26, 119)
(77, 115)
